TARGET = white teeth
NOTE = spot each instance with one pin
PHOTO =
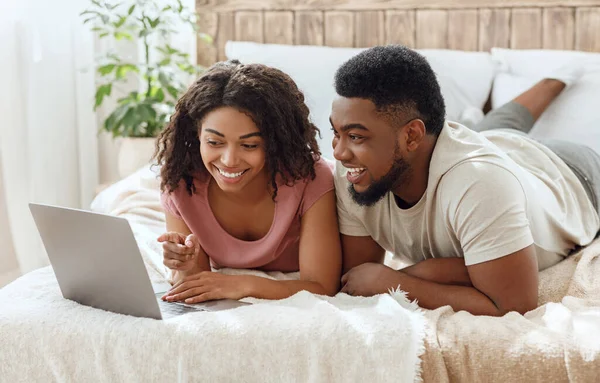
(230, 175)
(355, 171)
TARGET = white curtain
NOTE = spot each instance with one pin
(48, 130)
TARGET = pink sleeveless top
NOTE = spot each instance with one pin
(278, 249)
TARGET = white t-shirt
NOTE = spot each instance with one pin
(488, 195)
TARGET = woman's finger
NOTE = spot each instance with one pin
(171, 236)
(177, 248)
(176, 256)
(192, 292)
(207, 296)
(192, 277)
(172, 264)
(185, 285)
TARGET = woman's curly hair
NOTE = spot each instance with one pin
(273, 101)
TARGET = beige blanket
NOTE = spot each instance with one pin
(558, 342)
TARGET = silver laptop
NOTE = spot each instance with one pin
(97, 263)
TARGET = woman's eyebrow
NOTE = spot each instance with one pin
(215, 132)
(254, 134)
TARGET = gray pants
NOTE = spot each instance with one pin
(583, 161)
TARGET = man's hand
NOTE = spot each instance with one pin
(208, 286)
(179, 251)
(370, 279)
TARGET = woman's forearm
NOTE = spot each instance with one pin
(264, 288)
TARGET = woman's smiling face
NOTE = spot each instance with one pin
(231, 148)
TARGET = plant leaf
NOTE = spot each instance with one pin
(160, 95)
(144, 33)
(121, 21)
(131, 9)
(122, 70)
(104, 34)
(173, 91)
(106, 69)
(101, 92)
(129, 121)
(165, 61)
(105, 19)
(146, 113)
(121, 35)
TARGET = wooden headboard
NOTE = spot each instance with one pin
(452, 24)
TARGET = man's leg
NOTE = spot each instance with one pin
(584, 162)
(523, 111)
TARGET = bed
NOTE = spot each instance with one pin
(484, 53)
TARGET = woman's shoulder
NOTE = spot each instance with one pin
(313, 189)
(181, 192)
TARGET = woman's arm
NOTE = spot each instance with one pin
(320, 256)
(320, 266)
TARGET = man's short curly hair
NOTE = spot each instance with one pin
(398, 80)
(267, 95)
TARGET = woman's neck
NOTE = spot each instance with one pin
(254, 193)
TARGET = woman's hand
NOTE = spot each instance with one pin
(180, 252)
(208, 286)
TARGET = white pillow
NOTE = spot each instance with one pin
(465, 77)
(574, 114)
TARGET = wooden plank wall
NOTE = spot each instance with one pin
(554, 27)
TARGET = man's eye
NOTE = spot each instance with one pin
(335, 133)
(354, 137)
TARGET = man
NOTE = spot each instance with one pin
(477, 213)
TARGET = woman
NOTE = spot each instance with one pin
(243, 186)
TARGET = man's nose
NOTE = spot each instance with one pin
(340, 150)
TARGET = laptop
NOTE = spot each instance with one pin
(97, 263)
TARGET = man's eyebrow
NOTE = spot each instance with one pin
(345, 128)
(254, 134)
(215, 132)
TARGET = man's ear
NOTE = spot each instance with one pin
(414, 134)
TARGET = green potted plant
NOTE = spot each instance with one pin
(162, 73)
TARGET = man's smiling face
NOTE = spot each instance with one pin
(369, 147)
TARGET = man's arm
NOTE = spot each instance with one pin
(502, 285)
(359, 250)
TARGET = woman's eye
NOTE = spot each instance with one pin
(213, 143)
(250, 146)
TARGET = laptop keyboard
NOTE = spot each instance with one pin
(172, 309)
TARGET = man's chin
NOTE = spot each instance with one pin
(365, 196)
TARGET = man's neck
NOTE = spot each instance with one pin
(413, 188)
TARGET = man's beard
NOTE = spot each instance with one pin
(378, 189)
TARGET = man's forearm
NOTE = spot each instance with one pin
(446, 271)
(431, 295)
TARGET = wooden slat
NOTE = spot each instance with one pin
(400, 28)
(206, 53)
(339, 29)
(309, 28)
(362, 5)
(225, 32)
(432, 29)
(526, 28)
(249, 26)
(494, 29)
(370, 28)
(587, 33)
(279, 28)
(558, 27)
(462, 30)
